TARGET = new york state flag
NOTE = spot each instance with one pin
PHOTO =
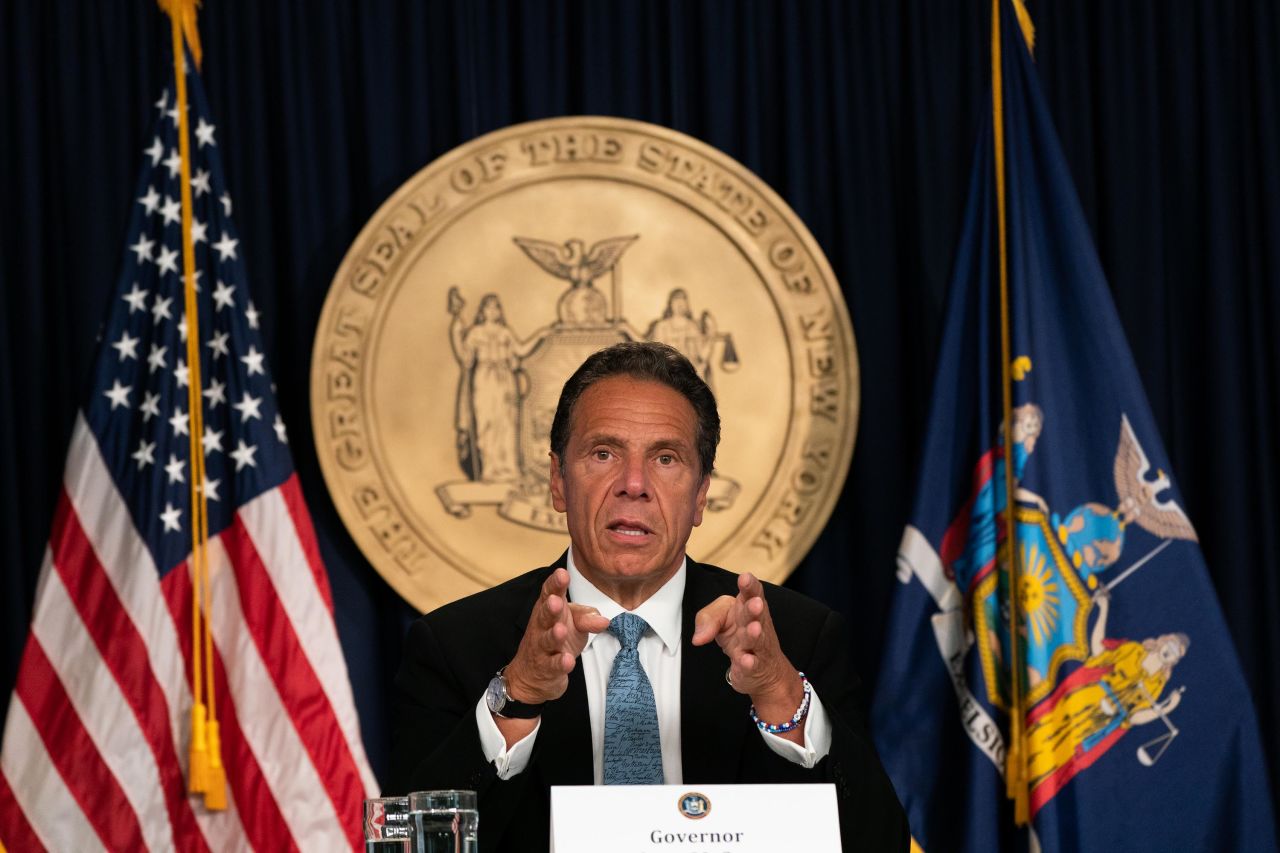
(1102, 706)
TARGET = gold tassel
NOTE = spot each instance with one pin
(198, 767)
(215, 793)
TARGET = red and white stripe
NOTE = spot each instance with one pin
(95, 743)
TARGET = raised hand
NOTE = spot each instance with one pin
(743, 629)
(553, 639)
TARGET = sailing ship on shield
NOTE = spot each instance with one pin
(508, 386)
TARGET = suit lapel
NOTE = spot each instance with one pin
(711, 728)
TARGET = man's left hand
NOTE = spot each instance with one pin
(743, 629)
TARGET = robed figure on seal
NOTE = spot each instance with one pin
(488, 409)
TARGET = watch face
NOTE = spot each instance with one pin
(495, 696)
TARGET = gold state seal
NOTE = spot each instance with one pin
(479, 286)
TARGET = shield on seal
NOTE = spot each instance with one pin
(546, 369)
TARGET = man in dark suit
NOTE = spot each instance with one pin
(535, 683)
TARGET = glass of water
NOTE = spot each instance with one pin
(386, 825)
(443, 822)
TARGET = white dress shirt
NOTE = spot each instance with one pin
(659, 651)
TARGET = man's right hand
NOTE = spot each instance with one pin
(555, 636)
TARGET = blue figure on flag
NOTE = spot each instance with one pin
(1058, 675)
(969, 546)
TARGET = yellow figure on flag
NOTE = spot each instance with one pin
(1117, 687)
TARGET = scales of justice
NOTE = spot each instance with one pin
(508, 386)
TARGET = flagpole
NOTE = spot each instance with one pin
(1016, 764)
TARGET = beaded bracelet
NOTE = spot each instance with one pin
(794, 722)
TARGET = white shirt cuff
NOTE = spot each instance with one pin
(508, 762)
(817, 737)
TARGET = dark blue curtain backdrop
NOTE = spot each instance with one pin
(862, 115)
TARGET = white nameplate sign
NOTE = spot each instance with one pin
(694, 818)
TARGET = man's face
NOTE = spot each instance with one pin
(632, 486)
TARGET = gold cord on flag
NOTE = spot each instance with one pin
(1016, 756)
(183, 14)
(1025, 22)
(206, 774)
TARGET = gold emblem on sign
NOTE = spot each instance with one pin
(476, 289)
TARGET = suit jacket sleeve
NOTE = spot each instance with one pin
(443, 674)
(871, 817)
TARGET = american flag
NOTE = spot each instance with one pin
(95, 743)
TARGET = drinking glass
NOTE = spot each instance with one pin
(443, 822)
(386, 825)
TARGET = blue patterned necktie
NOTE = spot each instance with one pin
(632, 747)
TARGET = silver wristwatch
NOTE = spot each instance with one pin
(501, 704)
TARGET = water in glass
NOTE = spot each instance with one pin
(443, 822)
